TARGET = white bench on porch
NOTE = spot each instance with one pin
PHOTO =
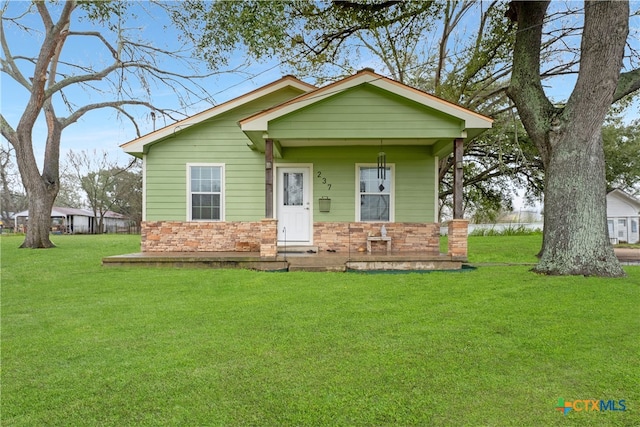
(378, 239)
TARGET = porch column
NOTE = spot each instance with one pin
(268, 178)
(458, 149)
(458, 232)
(269, 238)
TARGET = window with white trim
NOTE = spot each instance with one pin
(622, 228)
(375, 194)
(206, 186)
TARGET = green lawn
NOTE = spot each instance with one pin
(84, 345)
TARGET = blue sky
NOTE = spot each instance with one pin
(102, 129)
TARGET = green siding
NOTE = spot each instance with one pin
(414, 179)
(365, 112)
(218, 140)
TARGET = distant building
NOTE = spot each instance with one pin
(623, 217)
(76, 221)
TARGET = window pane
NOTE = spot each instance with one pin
(216, 180)
(205, 206)
(206, 179)
(374, 207)
(195, 179)
(205, 212)
(375, 194)
(205, 173)
(206, 199)
(370, 183)
(205, 186)
(293, 189)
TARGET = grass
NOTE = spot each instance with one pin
(501, 249)
(628, 245)
(85, 345)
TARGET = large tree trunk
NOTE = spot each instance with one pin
(576, 239)
(41, 190)
(569, 139)
(41, 198)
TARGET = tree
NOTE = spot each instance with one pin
(622, 155)
(569, 138)
(107, 186)
(70, 193)
(12, 197)
(127, 193)
(133, 64)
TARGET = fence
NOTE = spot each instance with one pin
(500, 227)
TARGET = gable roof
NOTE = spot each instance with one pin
(473, 120)
(136, 146)
(625, 196)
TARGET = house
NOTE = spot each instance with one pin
(76, 221)
(290, 164)
(623, 217)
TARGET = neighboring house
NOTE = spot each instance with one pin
(623, 217)
(292, 164)
(76, 221)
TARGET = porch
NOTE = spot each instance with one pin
(337, 247)
(319, 261)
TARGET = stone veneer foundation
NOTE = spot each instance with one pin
(260, 236)
(348, 237)
(181, 236)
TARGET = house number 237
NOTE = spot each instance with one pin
(323, 179)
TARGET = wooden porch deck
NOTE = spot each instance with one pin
(320, 261)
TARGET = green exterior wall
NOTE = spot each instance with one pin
(365, 112)
(362, 112)
(415, 177)
(218, 140)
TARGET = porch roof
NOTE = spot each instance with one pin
(364, 109)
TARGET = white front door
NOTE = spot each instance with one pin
(293, 207)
